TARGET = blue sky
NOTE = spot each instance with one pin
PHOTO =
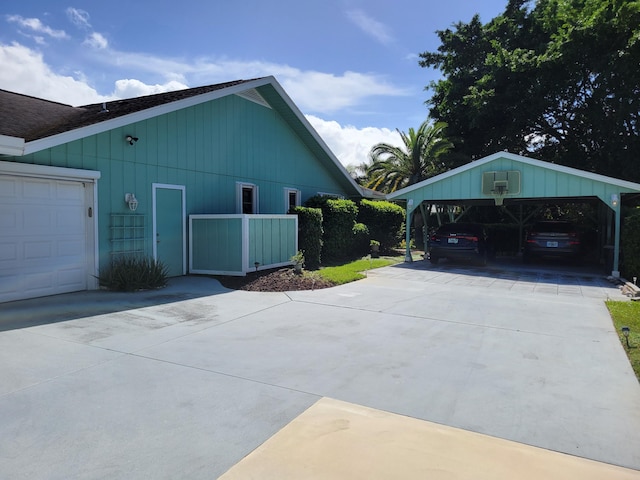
(351, 66)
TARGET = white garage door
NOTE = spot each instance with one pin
(43, 237)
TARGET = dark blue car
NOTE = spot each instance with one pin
(459, 241)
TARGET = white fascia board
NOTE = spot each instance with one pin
(32, 170)
(11, 145)
(124, 120)
(518, 158)
(314, 133)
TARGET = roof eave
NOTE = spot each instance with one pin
(100, 127)
(302, 119)
(124, 120)
(13, 146)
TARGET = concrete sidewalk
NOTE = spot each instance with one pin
(186, 381)
(334, 439)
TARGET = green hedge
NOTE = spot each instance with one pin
(385, 221)
(309, 235)
(338, 219)
(361, 238)
(630, 244)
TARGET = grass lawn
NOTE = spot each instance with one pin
(627, 314)
(352, 271)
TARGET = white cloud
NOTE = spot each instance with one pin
(312, 91)
(97, 41)
(37, 26)
(79, 18)
(26, 72)
(328, 93)
(371, 26)
(350, 144)
(129, 88)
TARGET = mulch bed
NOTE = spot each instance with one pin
(274, 280)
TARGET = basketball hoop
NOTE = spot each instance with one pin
(499, 184)
(498, 193)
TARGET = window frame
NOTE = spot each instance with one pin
(240, 189)
(287, 198)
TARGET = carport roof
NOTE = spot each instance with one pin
(530, 179)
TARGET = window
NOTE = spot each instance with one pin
(247, 198)
(291, 198)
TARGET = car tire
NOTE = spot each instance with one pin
(434, 260)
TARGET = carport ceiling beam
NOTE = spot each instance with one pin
(464, 209)
(508, 212)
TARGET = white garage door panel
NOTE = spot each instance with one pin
(42, 237)
(36, 251)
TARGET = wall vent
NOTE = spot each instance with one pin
(253, 96)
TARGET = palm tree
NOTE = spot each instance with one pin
(395, 167)
(358, 172)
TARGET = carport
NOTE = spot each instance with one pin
(505, 179)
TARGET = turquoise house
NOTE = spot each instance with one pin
(200, 179)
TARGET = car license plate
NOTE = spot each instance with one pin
(452, 240)
(552, 244)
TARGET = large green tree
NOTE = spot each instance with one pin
(422, 156)
(554, 78)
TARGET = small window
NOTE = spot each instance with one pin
(291, 198)
(247, 198)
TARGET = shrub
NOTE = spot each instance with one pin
(385, 221)
(309, 235)
(360, 240)
(338, 218)
(128, 274)
(630, 244)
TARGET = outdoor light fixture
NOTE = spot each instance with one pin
(614, 200)
(131, 139)
(131, 200)
(625, 332)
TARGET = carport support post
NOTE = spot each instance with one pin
(616, 247)
(407, 255)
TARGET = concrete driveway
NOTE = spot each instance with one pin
(186, 381)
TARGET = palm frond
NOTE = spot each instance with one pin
(393, 167)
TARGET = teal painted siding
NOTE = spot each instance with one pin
(207, 148)
(216, 245)
(272, 240)
(232, 244)
(536, 182)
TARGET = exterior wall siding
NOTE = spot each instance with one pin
(216, 245)
(272, 240)
(535, 182)
(238, 244)
(207, 148)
